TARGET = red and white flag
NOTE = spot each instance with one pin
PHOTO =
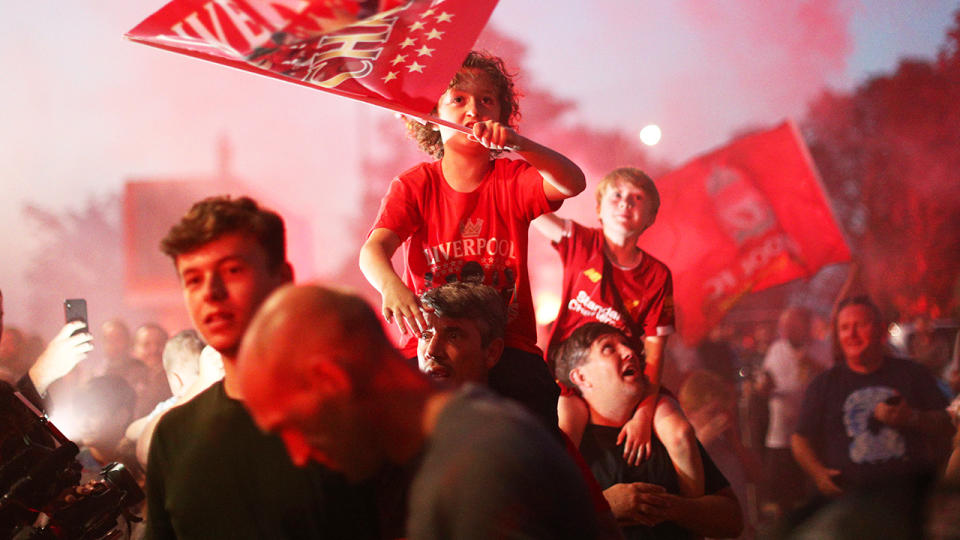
(743, 218)
(400, 58)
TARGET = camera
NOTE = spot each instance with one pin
(40, 481)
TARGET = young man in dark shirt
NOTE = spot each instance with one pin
(211, 473)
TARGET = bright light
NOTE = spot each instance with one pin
(547, 307)
(650, 134)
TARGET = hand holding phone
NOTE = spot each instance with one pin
(75, 309)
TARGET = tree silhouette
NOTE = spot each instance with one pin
(890, 159)
(78, 254)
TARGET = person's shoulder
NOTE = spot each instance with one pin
(419, 173)
(193, 412)
(579, 234)
(778, 348)
(652, 264)
(908, 366)
(835, 374)
(491, 414)
(510, 170)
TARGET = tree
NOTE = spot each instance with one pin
(889, 158)
(79, 254)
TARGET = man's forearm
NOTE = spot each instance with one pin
(717, 515)
(805, 456)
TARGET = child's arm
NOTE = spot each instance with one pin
(551, 226)
(572, 415)
(399, 301)
(636, 432)
(678, 437)
(562, 178)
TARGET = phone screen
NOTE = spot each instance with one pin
(75, 309)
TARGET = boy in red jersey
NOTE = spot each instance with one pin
(607, 278)
(465, 218)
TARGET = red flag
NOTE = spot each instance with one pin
(742, 218)
(401, 58)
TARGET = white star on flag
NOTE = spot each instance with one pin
(434, 34)
(416, 67)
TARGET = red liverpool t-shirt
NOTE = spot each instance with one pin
(646, 290)
(479, 236)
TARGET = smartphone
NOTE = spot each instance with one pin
(75, 309)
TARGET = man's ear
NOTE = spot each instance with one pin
(327, 376)
(493, 352)
(286, 272)
(577, 378)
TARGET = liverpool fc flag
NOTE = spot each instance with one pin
(400, 58)
(742, 218)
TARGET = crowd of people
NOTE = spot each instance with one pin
(288, 412)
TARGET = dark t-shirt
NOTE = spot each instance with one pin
(600, 450)
(837, 419)
(213, 474)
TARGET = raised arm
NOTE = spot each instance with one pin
(400, 304)
(551, 226)
(562, 178)
(62, 354)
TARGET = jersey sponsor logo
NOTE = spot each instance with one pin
(588, 307)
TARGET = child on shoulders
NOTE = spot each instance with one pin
(465, 217)
(608, 278)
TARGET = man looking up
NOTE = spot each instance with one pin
(602, 364)
(317, 369)
(210, 472)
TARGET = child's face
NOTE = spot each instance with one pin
(624, 207)
(474, 99)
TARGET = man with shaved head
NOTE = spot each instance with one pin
(317, 369)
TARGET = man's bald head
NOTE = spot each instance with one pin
(298, 322)
(306, 369)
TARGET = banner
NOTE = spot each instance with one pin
(743, 218)
(400, 58)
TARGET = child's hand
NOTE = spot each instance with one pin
(400, 305)
(635, 435)
(495, 135)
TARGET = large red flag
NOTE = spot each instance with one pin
(742, 218)
(401, 58)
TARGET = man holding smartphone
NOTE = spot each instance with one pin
(68, 348)
(211, 473)
(872, 420)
